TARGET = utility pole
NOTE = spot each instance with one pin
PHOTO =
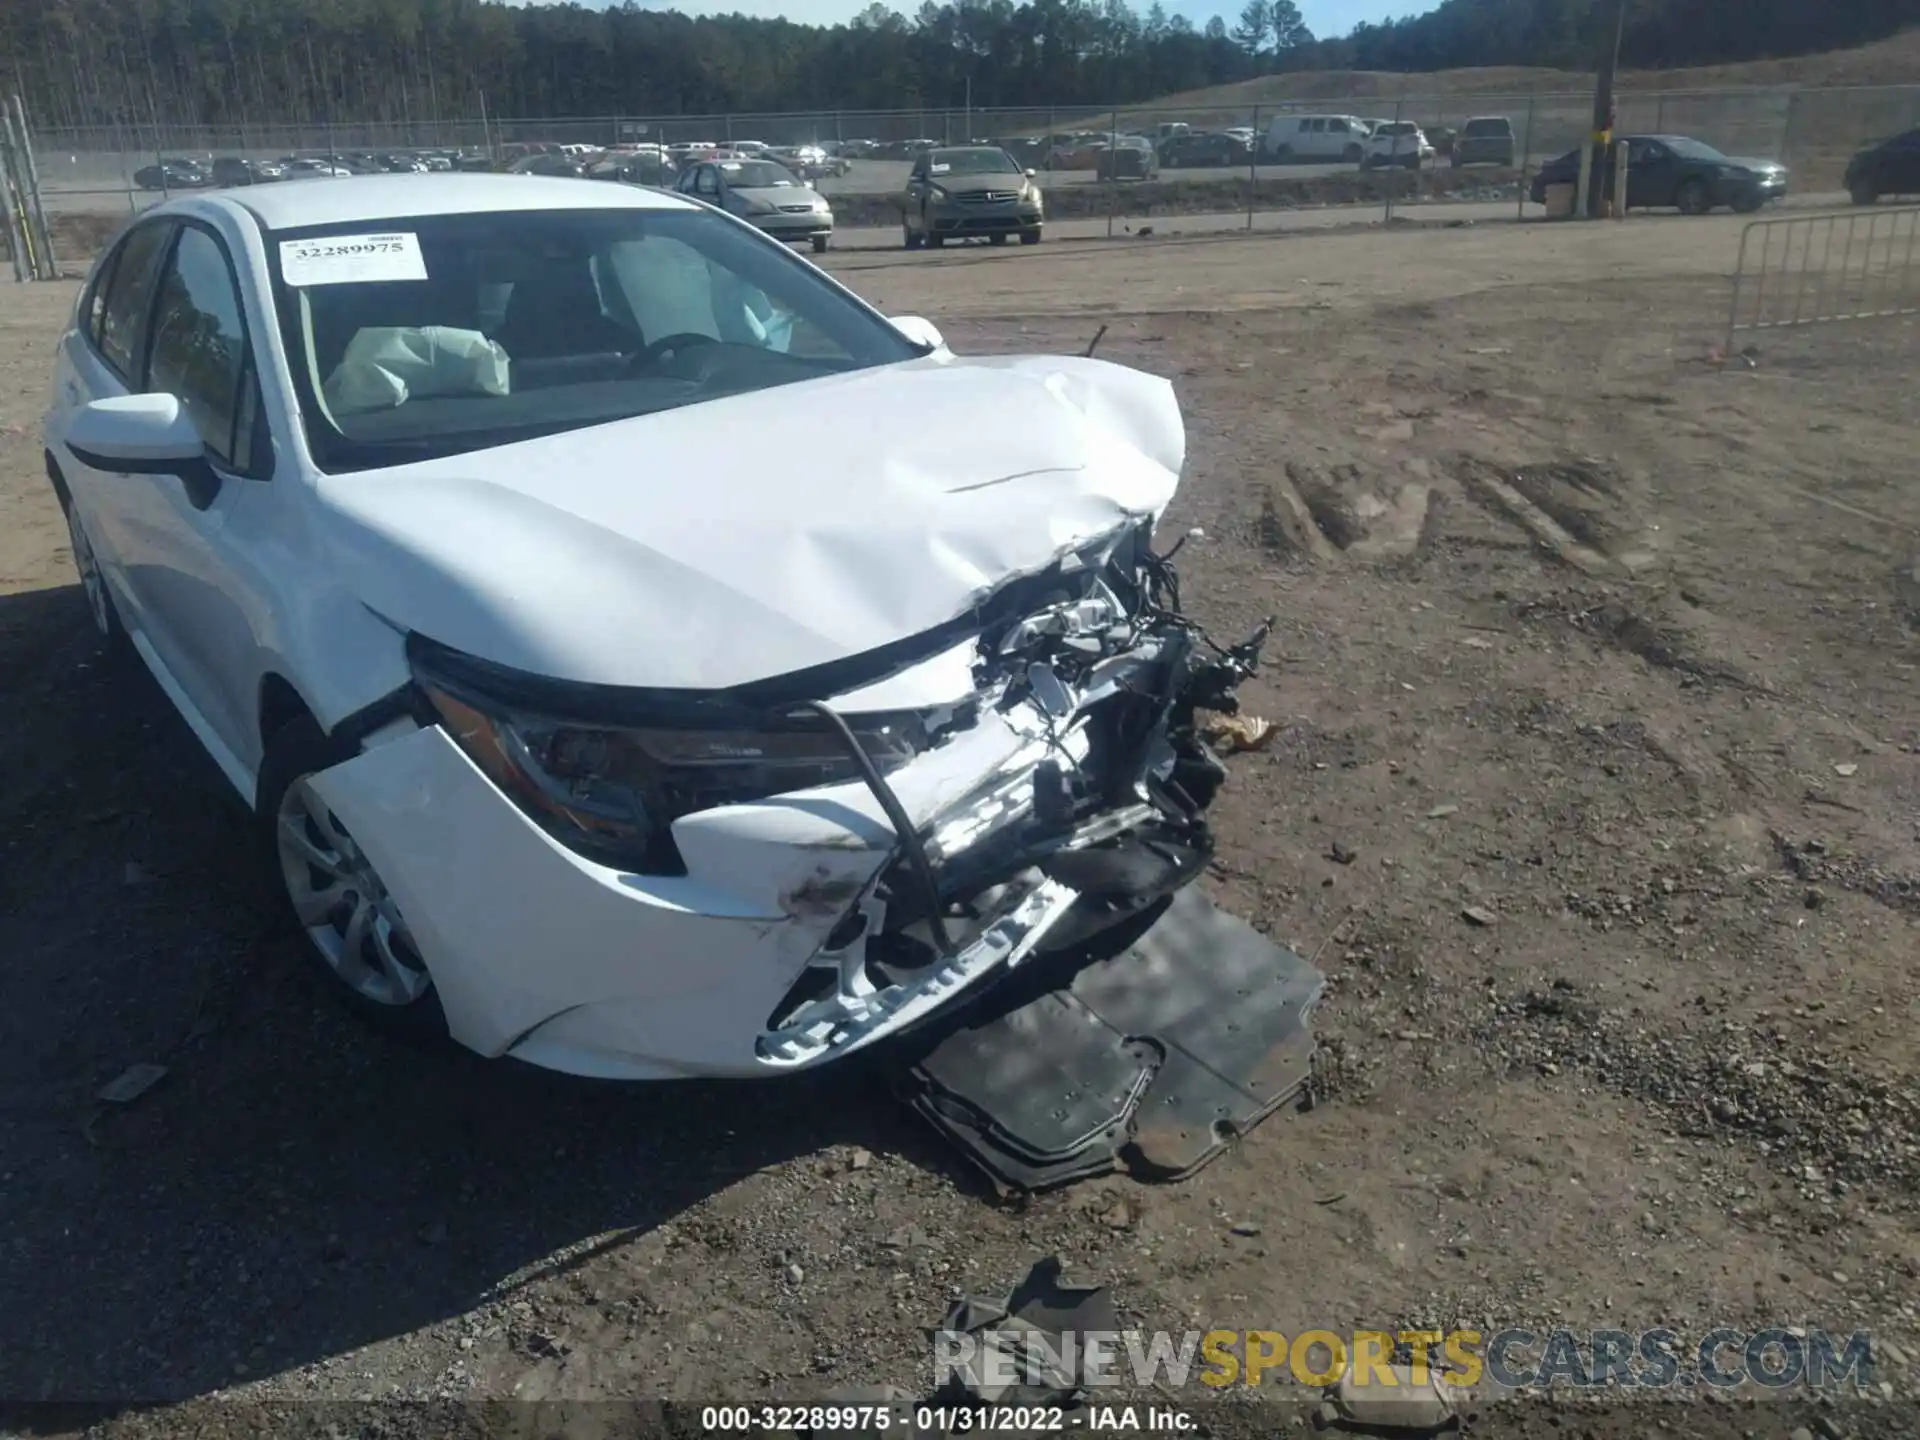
(1613, 23)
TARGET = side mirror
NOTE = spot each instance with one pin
(920, 332)
(138, 435)
(1030, 172)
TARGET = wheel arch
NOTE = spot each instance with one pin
(59, 482)
(280, 703)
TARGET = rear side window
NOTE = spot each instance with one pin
(123, 319)
(1488, 127)
(200, 347)
(1338, 127)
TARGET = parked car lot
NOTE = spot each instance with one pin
(553, 1241)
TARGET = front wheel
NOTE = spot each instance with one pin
(349, 924)
(1693, 199)
(909, 240)
(998, 239)
(1030, 236)
(1353, 154)
(1863, 193)
(820, 244)
(936, 241)
(1747, 203)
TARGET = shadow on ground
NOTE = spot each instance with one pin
(297, 1185)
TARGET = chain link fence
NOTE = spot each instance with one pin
(1252, 164)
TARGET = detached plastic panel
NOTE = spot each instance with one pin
(1152, 1059)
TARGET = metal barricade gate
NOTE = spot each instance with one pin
(1821, 269)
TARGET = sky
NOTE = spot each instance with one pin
(1323, 17)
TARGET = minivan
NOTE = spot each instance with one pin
(1316, 139)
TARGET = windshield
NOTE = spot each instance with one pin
(1690, 149)
(756, 174)
(1397, 127)
(435, 335)
(980, 161)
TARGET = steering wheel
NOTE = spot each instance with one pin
(649, 354)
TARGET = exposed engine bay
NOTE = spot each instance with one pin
(1074, 852)
(1098, 813)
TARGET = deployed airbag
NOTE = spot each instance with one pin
(386, 366)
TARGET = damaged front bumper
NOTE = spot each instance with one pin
(1063, 795)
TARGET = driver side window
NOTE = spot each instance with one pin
(200, 352)
(706, 183)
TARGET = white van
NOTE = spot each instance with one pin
(1317, 139)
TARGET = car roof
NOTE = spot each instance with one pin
(375, 198)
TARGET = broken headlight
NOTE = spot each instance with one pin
(611, 793)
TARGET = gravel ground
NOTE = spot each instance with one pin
(1605, 830)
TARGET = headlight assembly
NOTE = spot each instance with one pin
(611, 793)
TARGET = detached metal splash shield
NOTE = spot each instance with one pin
(1153, 1058)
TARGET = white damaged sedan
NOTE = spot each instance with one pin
(644, 658)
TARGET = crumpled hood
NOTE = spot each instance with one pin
(761, 534)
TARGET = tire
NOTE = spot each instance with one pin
(1748, 202)
(1352, 154)
(1693, 199)
(935, 241)
(999, 239)
(1283, 156)
(820, 244)
(1863, 192)
(384, 980)
(1453, 162)
(909, 240)
(1030, 236)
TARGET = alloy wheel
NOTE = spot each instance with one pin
(342, 904)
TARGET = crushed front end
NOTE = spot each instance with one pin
(651, 884)
(1092, 808)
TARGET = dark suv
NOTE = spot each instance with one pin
(1890, 168)
(1484, 140)
(231, 170)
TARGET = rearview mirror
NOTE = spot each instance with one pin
(920, 332)
(137, 435)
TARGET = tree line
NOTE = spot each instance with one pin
(142, 64)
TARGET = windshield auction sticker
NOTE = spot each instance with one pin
(352, 259)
